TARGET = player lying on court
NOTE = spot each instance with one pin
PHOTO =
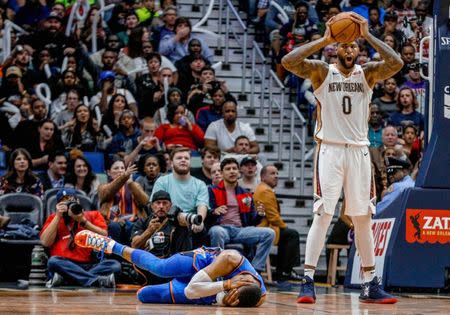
(203, 276)
(342, 160)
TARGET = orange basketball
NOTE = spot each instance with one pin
(343, 29)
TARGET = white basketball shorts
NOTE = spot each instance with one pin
(345, 166)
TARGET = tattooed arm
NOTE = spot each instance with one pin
(315, 70)
(391, 62)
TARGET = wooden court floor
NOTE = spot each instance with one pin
(119, 302)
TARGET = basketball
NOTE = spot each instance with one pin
(343, 29)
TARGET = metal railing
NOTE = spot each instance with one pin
(256, 52)
(274, 78)
(302, 141)
(232, 9)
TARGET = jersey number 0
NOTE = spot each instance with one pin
(347, 105)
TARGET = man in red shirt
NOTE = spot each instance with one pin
(72, 263)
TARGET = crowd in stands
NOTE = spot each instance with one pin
(147, 103)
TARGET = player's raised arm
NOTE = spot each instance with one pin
(391, 62)
(315, 70)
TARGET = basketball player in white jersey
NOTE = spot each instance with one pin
(344, 91)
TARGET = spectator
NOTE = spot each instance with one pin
(81, 177)
(194, 50)
(108, 90)
(140, 62)
(83, 134)
(399, 179)
(113, 44)
(169, 17)
(417, 84)
(390, 27)
(187, 192)
(69, 262)
(180, 130)
(28, 127)
(147, 14)
(54, 177)
(216, 173)
(116, 106)
(47, 141)
(150, 87)
(131, 22)
(288, 240)
(411, 144)
(193, 76)
(120, 200)
(375, 126)
(375, 21)
(12, 84)
(65, 118)
(224, 132)
(70, 80)
(151, 167)
(174, 97)
(233, 216)
(6, 133)
(210, 155)
(249, 175)
(408, 54)
(126, 139)
(407, 111)
(387, 103)
(31, 13)
(19, 176)
(175, 46)
(241, 151)
(390, 138)
(147, 142)
(51, 36)
(212, 112)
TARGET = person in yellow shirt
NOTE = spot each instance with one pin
(287, 239)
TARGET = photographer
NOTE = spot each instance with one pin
(69, 262)
(164, 232)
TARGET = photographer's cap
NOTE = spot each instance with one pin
(63, 192)
(394, 164)
(161, 195)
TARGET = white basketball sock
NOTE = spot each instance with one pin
(316, 240)
(364, 243)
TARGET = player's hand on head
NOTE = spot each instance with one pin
(240, 281)
(231, 298)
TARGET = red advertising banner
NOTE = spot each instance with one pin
(427, 226)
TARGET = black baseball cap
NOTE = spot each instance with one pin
(248, 159)
(161, 195)
(394, 164)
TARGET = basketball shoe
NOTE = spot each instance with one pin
(307, 292)
(373, 293)
(89, 239)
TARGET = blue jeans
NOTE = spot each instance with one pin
(260, 237)
(81, 273)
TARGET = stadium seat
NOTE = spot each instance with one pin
(20, 206)
(96, 160)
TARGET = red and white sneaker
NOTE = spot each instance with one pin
(89, 239)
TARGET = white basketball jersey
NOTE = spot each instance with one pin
(343, 112)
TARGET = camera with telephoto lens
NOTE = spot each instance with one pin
(74, 207)
(190, 218)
